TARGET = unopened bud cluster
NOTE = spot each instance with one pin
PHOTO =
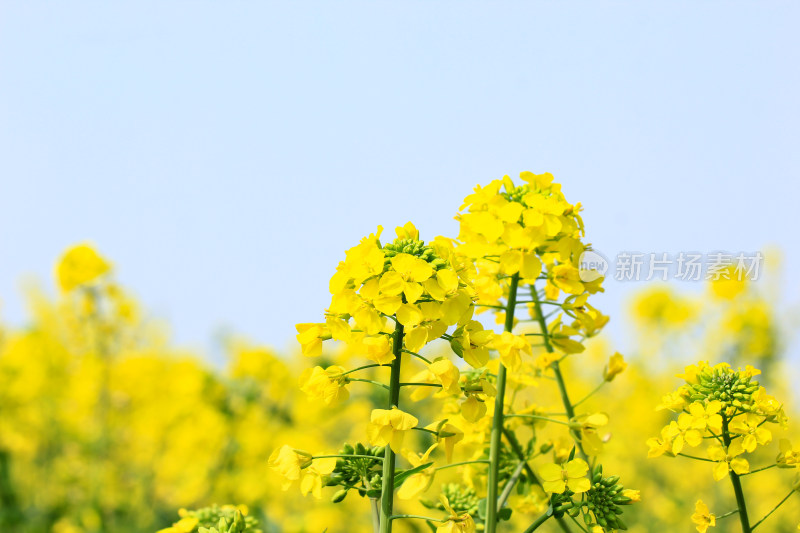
(462, 499)
(731, 387)
(603, 502)
(416, 248)
(359, 473)
(215, 519)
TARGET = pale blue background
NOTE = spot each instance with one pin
(224, 154)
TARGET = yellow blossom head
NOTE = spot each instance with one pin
(79, 265)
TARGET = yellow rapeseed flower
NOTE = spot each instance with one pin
(571, 475)
(706, 416)
(289, 463)
(728, 460)
(456, 523)
(753, 434)
(419, 482)
(80, 264)
(616, 365)
(702, 517)
(510, 346)
(326, 384)
(389, 426)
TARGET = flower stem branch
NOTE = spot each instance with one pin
(369, 381)
(362, 368)
(757, 470)
(773, 509)
(350, 456)
(463, 463)
(696, 458)
(376, 515)
(501, 502)
(576, 404)
(395, 517)
(539, 521)
(562, 386)
(418, 356)
(537, 417)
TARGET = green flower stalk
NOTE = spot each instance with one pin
(498, 419)
(387, 488)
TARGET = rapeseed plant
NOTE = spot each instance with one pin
(105, 426)
(731, 411)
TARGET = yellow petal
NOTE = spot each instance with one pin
(576, 468)
(420, 270)
(531, 266)
(447, 279)
(556, 487)
(580, 484)
(413, 291)
(325, 466)
(388, 305)
(409, 315)
(473, 409)
(414, 486)
(740, 465)
(550, 472)
(391, 283)
(720, 470)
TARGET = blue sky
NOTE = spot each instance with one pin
(225, 154)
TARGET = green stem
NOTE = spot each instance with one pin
(462, 463)
(757, 470)
(515, 446)
(377, 384)
(387, 487)
(576, 404)
(418, 356)
(376, 515)
(697, 458)
(539, 521)
(361, 368)
(497, 420)
(431, 519)
(350, 456)
(578, 524)
(562, 386)
(773, 509)
(537, 417)
(510, 485)
(736, 483)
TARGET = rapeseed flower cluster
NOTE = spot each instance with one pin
(729, 413)
(518, 245)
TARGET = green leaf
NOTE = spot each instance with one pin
(482, 508)
(504, 513)
(405, 474)
(399, 478)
